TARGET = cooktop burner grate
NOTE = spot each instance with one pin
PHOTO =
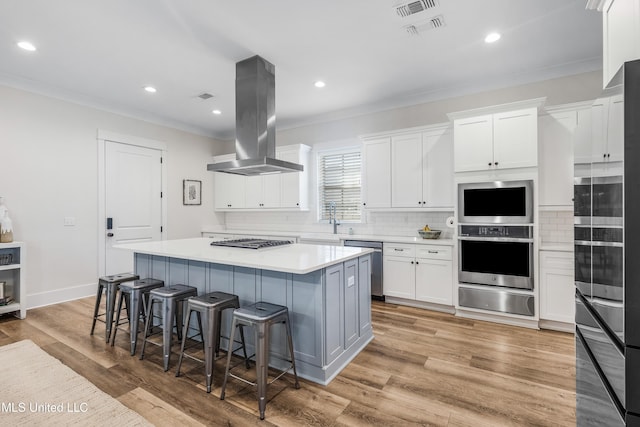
(250, 243)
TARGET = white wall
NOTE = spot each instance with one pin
(48, 170)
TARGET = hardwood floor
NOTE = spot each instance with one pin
(422, 368)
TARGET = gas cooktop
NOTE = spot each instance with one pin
(249, 243)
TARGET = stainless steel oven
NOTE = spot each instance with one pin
(496, 255)
(496, 202)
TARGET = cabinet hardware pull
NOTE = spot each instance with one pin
(608, 155)
(411, 262)
(433, 252)
(490, 163)
(417, 262)
(496, 163)
(398, 250)
(604, 155)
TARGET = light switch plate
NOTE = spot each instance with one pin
(351, 281)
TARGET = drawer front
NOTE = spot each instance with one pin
(399, 249)
(556, 260)
(434, 252)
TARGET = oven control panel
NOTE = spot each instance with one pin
(510, 231)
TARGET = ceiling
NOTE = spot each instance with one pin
(102, 53)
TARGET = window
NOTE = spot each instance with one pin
(339, 182)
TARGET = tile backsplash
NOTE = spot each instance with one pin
(376, 223)
(556, 227)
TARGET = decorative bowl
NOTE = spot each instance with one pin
(433, 234)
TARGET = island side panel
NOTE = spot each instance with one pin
(307, 317)
(334, 307)
(364, 295)
(351, 328)
(274, 287)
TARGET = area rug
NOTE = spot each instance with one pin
(36, 389)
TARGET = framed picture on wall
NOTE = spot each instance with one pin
(191, 192)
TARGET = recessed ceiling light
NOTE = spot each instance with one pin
(26, 46)
(319, 83)
(150, 89)
(492, 37)
(217, 112)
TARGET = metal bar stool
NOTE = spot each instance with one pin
(172, 299)
(109, 284)
(209, 308)
(261, 316)
(136, 296)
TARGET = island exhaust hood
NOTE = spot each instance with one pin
(255, 122)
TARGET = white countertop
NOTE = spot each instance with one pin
(295, 258)
(336, 238)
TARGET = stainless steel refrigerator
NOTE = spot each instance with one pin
(607, 257)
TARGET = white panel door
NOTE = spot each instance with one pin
(515, 138)
(434, 281)
(133, 200)
(399, 277)
(406, 171)
(437, 170)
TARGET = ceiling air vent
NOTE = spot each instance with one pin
(204, 96)
(408, 8)
(430, 24)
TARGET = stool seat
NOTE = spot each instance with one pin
(261, 315)
(209, 308)
(261, 311)
(137, 293)
(109, 284)
(172, 299)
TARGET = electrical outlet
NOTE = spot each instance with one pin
(69, 221)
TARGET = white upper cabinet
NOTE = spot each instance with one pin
(582, 137)
(272, 191)
(496, 141)
(607, 141)
(294, 193)
(229, 189)
(473, 143)
(422, 170)
(376, 173)
(620, 35)
(556, 133)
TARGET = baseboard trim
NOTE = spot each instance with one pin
(58, 296)
(557, 326)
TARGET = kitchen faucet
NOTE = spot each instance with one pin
(332, 207)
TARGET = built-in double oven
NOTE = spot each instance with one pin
(495, 246)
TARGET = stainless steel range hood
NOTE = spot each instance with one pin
(255, 122)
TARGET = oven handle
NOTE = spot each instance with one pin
(495, 239)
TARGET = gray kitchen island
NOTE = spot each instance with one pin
(327, 290)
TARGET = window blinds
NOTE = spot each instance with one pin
(339, 182)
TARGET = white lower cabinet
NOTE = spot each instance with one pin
(557, 291)
(418, 272)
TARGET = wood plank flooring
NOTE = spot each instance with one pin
(422, 368)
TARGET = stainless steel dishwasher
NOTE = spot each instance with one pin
(377, 291)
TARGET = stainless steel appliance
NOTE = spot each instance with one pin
(495, 246)
(377, 291)
(250, 243)
(496, 255)
(607, 243)
(255, 122)
(497, 202)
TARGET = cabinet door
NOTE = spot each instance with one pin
(351, 314)
(437, 172)
(556, 159)
(377, 173)
(334, 335)
(615, 129)
(271, 191)
(434, 281)
(515, 138)
(620, 36)
(253, 192)
(557, 291)
(229, 191)
(473, 143)
(582, 137)
(293, 191)
(399, 277)
(406, 171)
